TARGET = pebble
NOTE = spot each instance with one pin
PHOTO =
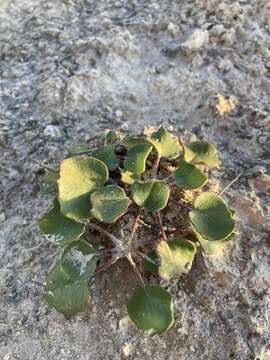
(52, 131)
(127, 349)
(7, 356)
(217, 30)
(3, 315)
(119, 113)
(173, 29)
(3, 141)
(124, 323)
(2, 217)
(198, 39)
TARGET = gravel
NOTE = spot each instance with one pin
(71, 69)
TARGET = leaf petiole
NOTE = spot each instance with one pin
(104, 232)
(135, 269)
(146, 257)
(135, 224)
(155, 168)
(106, 265)
(158, 216)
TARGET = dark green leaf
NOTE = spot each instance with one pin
(111, 137)
(150, 266)
(211, 217)
(150, 308)
(78, 149)
(56, 277)
(188, 176)
(64, 295)
(79, 261)
(129, 142)
(49, 184)
(108, 203)
(78, 176)
(136, 158)
(153, 195)
(65, 229)
(107, 155)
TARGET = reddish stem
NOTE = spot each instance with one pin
(156, 165)
(171, 232)
(103, 232)
(144, 256)
(130, 205)
(106, 265)
(135, 269)
(161, 226)
(135, 224)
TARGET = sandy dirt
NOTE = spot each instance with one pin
(70, 69)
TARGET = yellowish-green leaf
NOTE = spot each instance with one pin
(201, 152)
(153, 195)
(166, 144)
(78, 176)
(176, 257)
(128, 178)
(213, 247)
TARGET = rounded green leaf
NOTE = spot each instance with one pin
(128, 177)
(108, 203)
(68, 299)
(136, 158)
(188, 176)
(78, 149)
(79, 261)
(166, 145)
(78, 176)
(150, 308)
(65, 229)
(150, 266)
(111, 137)
(213, 247)
(176, 257)
(107, 155)
(49, 184)
(201, 152)
(129, 142)
(56, 277)
(153, 195)
(211, 217)
(64, 295)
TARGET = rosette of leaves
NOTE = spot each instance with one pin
(144, 177)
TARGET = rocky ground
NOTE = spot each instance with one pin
(71, 68)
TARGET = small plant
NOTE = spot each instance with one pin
(138, 198)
